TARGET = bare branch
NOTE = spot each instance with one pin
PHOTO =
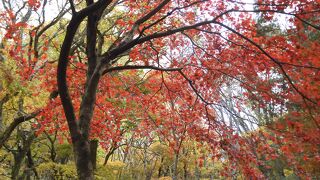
(151, 13)
(121, 68)
(73, 9)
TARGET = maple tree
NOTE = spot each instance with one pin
(173, 68)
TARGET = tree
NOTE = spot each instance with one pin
(137, 34)
(195, 49)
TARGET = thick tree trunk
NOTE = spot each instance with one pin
(83, 159)
(80, 129)
(94, 149)
(82, 146)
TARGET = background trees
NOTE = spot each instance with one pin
(224, 82)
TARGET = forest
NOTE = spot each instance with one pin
(159, 89)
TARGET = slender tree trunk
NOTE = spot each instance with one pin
(145, 161)
(175, 166)
(111, 151)
(197, 172)
(53, 153)
(106, 159)
(30, 168)
(18, 159)
(20, 155)
(160, 168)
(185, 169)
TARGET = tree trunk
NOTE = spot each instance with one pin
(160, 168)
(175, 166)
(18, 159)
(197, 172)
(110, 152)
(27, 174)
(83, 159)
(185, 169)
(30, 165)
(80, 129)
(93, 149)
(20, 155)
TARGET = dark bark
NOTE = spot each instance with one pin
(79, 132)
(18, 159)
(83, 159)
(21, 153)
(53, 153)
(93, 148)
(110, 152)
(30, 167)
(52, 148)
(92, 28)
(83, 154)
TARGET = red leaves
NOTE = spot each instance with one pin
(214, 60)
(12, 26)
(35, 4)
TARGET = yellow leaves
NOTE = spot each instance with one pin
(165, 178)
(116, 165)
(53, 170)
(287, 172)
(110, 171)
(64, 151)
(159, 148)
(17, 91)
(7, 77)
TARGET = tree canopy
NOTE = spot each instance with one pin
(175, 89)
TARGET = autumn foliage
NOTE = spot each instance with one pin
(241, 80)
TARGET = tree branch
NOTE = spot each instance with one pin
(270, 57)
(73, 9)
(151, 13)
(121, 68)
(14, 124)
(63, 64)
